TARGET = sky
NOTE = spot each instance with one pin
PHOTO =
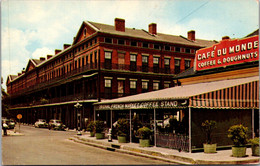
(34, 28)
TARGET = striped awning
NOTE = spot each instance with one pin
(243, 96)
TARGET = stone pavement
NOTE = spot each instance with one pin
(165, 154)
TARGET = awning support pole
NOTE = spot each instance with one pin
(154, 114)
(111, 118)
(130, 117)
(253, 123)
(94, 114)
(190, 129)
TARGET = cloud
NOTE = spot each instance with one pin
(42, 52)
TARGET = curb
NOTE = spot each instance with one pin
(156, 155)
(108, 146)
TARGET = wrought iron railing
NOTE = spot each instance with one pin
(173, 141)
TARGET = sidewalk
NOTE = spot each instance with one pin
(169, 155)
(12, 132)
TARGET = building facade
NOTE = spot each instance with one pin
(103, 62)
(227, 94)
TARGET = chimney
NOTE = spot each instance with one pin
(42, 59)
(49, 56)
(19, 74)
(225, 37)
(120, 24)
(153, 29)
(57, 51)
(66, 46)
(191, 35)
(23, 71)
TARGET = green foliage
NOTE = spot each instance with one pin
(144, 132)
(238, 134)
(122, 127)
(254, 141)
(91, 126)
(99, 126)
(208, 127)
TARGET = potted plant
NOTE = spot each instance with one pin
(238, 134)
(91, 128)
(208, 127)
(144, 135)
(255, 146)
(122, 130)
(99, 128)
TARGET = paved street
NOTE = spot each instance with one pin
(48, 147)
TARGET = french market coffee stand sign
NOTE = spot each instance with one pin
(227, 52)
(144, 105)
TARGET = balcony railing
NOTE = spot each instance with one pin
(94, 66)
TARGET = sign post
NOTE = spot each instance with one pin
(19, 116)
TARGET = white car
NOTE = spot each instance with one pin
(41, 123)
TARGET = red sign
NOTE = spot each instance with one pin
(19, 116)
(227, 52)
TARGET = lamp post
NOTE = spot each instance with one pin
(78, 106)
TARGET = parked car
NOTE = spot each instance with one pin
(10, 123)
(41, 123)
(56, 125)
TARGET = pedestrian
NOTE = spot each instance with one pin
(5, 126)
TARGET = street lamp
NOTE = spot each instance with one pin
(78, 106)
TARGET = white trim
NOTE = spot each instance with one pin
(177, 58)
(157, 56)
(167, 57)
(122, 79)
(132, 79)
(143, 80)
(156, 81)
(145, 54)
(133, 53)
(108, 78)
(108, 50)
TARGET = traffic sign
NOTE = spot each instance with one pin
(19, 116)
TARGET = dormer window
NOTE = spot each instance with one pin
(85, 32)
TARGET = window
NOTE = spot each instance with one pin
(156, 86)
(107, 55)
(108, 40)
(121, 60)
(156, 46)
(85, 32)
(166, 85)
(108, 83)
(177, 66)
(145, 85)
(166, 62)
(187, 64)
(133, 58)
(187, 50)
(133, 43)
(167, 48)
(177, 49)
(121, 41)
(132, 84)
(133, 62)
(155, 64)
(120, 88)
(145, 63)
(145, 59)
(155, 60)
(145, 45)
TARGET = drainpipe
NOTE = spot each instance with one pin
(253, 123)
(130, 112)
(190, 129)
(154, 114)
